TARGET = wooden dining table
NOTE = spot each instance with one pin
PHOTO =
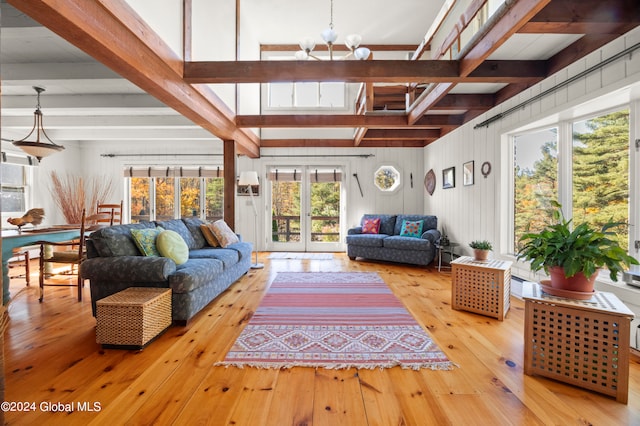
(12, 238)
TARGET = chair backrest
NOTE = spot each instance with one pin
(114, 210)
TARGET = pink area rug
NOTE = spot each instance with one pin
(333, 320)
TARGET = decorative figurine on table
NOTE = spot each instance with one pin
(32, 216)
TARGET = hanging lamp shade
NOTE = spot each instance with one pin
(39, 146)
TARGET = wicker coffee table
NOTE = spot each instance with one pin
(133, 318)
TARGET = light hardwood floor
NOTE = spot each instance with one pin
(51, 357)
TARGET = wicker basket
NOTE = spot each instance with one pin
(133, 317)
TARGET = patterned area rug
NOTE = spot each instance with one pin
(333, 320)
(301, 255)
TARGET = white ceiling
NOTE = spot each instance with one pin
(86, 101)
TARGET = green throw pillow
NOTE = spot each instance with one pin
(145, 240)
(170, 244)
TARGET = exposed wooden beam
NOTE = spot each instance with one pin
(112, 32)
(584, 17)
(395, 143)
(466, 102)
(370, 121)
(507, 20)
(229, 170)
(401, 134)
(395, 71)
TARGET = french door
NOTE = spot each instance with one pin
(307, 205)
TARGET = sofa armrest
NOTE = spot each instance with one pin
(432, 235)
(355, 231)
(128, 269)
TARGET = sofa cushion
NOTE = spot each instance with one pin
(411, 228)
(429, 222)
(194, 274)
(207, 231)
(387, 222)
(227, 256)
(145, 240)
(368, 240)
(177, 225)
(117, 240)
(371, 226)
(170, 244)
(223, 233)
(193, 225)
(406, 243)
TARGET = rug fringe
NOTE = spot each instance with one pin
(405, 366)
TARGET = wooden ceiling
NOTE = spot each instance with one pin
(408, 103)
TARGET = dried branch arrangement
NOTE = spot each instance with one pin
(74, 193)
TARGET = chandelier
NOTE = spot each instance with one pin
(329, 36)
(37, 148)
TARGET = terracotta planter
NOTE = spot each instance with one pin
(579, 282)
(480, 255)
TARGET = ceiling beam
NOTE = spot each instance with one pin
(373, 121)
(466, 102)
(405, 134)
(113, 33)
(376, 71)
(505, 22)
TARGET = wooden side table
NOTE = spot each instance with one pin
(583, 343)
(481, 287)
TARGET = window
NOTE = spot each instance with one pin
(172, 192)
(593, 184)
(387, 178)
(535, 179)
(307, 95)
(601, 171)
(14, 185)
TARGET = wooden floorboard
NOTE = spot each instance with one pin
(53, 362)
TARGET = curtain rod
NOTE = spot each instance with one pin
(160, 155)
(316, 156)
(558, 86)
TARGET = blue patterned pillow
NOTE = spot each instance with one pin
(145, 240)
(411, 228)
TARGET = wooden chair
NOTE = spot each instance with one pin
(74, 255)
(21, 256)
(114, 210)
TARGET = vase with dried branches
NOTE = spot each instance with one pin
(73, 193)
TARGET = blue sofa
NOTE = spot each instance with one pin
(388, 245)
(114, 263)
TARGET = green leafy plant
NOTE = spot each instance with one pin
(481, 245)
(583, 249)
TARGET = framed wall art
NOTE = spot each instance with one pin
(467, 173)
(449, 178)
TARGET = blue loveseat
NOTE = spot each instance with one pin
(389, 245)
(114, 263)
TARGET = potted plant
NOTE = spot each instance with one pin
(572, 258)
(481, 249)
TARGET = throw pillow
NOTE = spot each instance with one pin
(223, 233)
(371, 226)
(170, 244)
(145, 240)
(411, 228)
(207, 231)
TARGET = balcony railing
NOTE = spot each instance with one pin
(290, 231)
